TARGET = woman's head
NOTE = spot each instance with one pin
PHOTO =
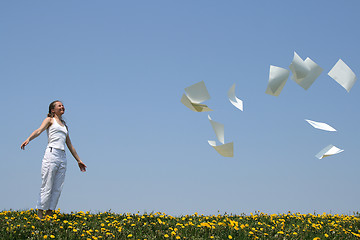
(56, 108)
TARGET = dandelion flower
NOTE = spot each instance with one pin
(230, 237)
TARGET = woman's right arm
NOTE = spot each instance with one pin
(45, 124)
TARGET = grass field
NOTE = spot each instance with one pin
(108, 225)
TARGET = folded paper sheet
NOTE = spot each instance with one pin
(233, 99)
(315, 72)
(218, 129)
(328, 151)
(304, 72)
(320, 125)
(299, 68)
(196, 94)
(226, 150)
(277, 79)
(194, 106)
(343, 75)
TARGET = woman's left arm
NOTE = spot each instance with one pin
(82, 166)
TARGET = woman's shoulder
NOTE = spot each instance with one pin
(48, 120)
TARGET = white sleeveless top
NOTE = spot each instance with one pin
(56, 135)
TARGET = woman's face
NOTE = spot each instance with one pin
(59, 109)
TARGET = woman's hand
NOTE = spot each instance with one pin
(26, 142)
(82, 166)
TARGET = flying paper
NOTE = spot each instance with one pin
(218, 129)
(233, 99)
(322, 126)
(196, 94)
(226, 150)
(299, 68)
(277, 79)
(328, 151)
(343, 75)
(313, 71)
(193, 106)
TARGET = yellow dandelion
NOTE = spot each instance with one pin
(230, 237)
(166, 235)
(45, 236)
(52, 236)
(316, 238)
(130, 235)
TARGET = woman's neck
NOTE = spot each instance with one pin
(58, 117)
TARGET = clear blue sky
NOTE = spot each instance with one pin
(120, 68)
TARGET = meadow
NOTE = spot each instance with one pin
(108, 225)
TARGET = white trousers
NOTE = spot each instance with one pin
(53, 171)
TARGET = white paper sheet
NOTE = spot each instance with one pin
(328, 151)
(313, 74)
(277, 79)
(299, 68)
(194, 106)
(234, 100)
(218, 129)
(342, 74)
(196, 94)
(321, 125)
(226, 150)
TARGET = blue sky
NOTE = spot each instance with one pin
(120, 68)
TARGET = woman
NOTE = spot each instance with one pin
(54, 162)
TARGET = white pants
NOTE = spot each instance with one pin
(53, 170)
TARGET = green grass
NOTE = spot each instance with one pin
(107, 225)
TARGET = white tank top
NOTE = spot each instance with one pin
(56, 135)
